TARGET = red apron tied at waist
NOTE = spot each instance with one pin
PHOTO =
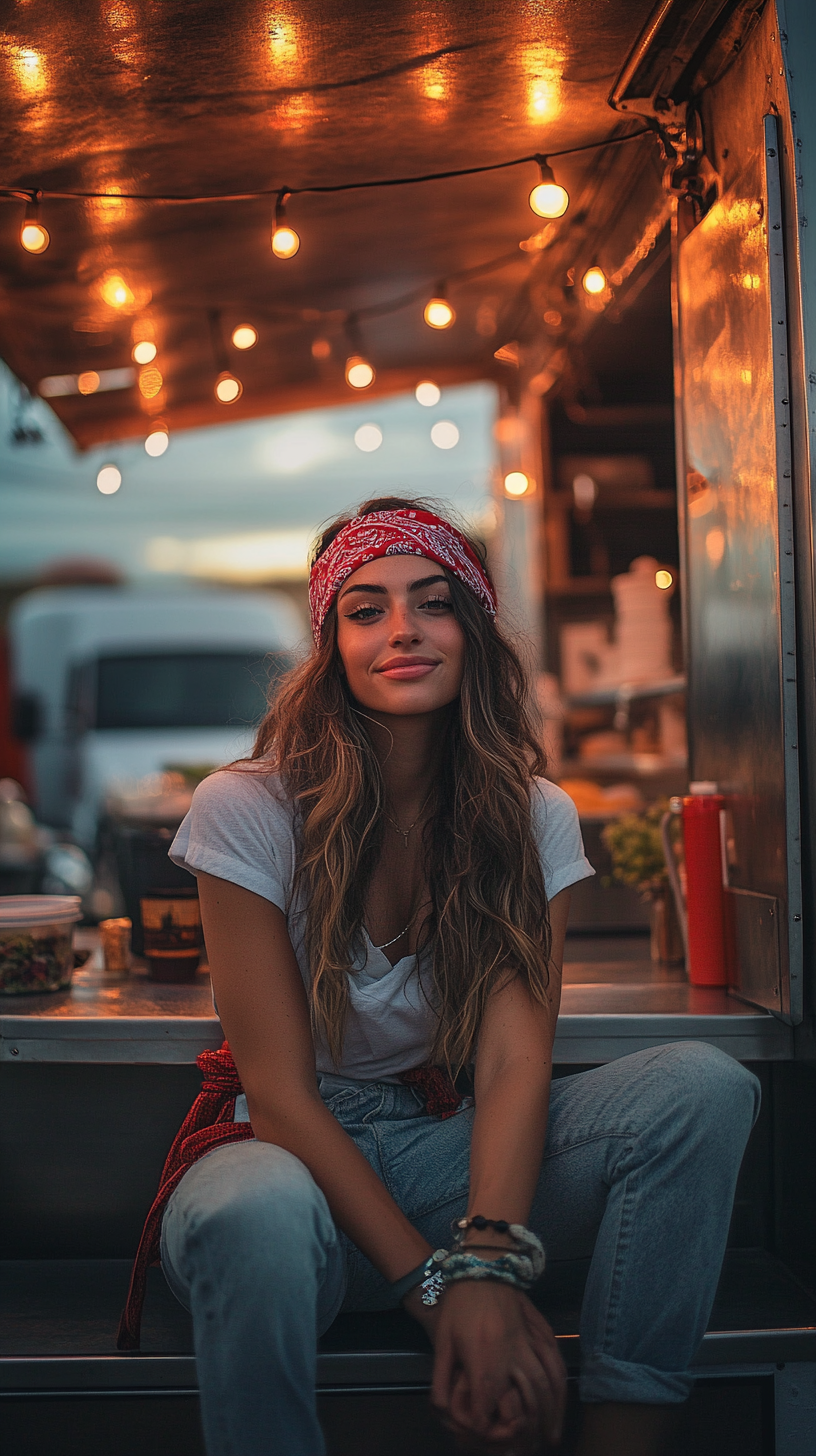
(211, 1124)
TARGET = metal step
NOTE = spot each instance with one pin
(58, 1323)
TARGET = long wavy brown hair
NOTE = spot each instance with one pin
(488, 917)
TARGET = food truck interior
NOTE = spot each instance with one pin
(654, 352)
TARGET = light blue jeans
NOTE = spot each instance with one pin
(639, 1172)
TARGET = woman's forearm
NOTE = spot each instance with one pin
(263, 1008)
(513, 1075)
(509, 1131)
(359, 1201)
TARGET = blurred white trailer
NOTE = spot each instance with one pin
(112, 684)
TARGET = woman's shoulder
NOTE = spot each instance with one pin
(558, 835)
(240, 828)
(247, 799)
(550, 802)
(244, 783)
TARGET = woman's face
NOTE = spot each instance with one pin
(401, 646)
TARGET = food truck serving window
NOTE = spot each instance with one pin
(184, 689)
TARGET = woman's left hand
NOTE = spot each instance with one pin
(499, 1381)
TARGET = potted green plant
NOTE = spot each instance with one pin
(635, 846)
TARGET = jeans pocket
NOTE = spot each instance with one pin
(342, 1102)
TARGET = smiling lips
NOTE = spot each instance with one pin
(407, 669)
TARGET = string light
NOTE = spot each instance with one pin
(144, 352)
(516, 484)
(285, 241)
(151, 383)
(157, 441)
(321, 349)
(34, 236)
(245, 337)
(88, 382)
(548, 198)
(663, 579)
(428, 393)
(438, 312)
(368, 438)
(108, 480)
(594, 281)
(444, 434)
(359, 373)
(228, 388)
(115, 291)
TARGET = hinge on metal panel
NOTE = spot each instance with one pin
(682, 49)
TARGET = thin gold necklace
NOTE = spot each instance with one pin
(406, 832)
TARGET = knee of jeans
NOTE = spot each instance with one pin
(714, 1087)
(262, 1199)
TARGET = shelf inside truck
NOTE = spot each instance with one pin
(626, 1006)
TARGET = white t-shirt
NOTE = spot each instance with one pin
(241, 828)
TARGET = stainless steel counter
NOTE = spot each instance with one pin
(614, 1001)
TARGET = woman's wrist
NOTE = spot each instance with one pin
(424, 1314)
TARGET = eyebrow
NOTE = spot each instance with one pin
(382, 591)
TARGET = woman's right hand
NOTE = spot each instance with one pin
(499, 1381)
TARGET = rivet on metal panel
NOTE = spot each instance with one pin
(15, 1052)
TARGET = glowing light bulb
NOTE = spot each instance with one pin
(663, 579)
(321, 349)
(157, 441)
(88, 382)
(108, 480)
(34, 237)
(245, 337)
(444, 434)
(144, 352)
(285, 242)
(368, 438)
(548, 198)
(428, 393)
(151, 383)
(594, 281)
(439, 314)
(115, 291)
(359, 373)
(228, 388)
(516, 483)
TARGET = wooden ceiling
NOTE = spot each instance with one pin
(202, 99)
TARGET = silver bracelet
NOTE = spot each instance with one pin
(426, 1275)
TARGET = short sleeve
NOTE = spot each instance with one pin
(240, 828)
(558, 833)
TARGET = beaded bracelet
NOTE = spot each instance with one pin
(460, 1226)
(504, 1270)
(521, 1266)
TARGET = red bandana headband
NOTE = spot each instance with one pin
(394, 533)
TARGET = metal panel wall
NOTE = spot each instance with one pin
(739, 559)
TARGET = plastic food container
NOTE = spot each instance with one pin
(37, 942)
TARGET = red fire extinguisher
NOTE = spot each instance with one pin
(703, 811)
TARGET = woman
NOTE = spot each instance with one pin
(384, 888)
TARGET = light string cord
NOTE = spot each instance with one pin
(28, 194)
